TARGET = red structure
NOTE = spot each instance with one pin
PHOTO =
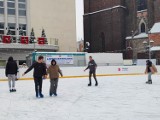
(6, 39)
(41, 40)
(24, 40)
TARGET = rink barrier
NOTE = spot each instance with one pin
(100, 75)
(78, 72)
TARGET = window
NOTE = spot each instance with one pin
(143, 28)
(11, 0)
(1, 4)
(11, 11)
(23, 26)
(1, 28)
(21, 0)
(22, 6)
(11, 5)
(1, 25)
(1, 7)
(12, 26)
(141, 5)
(22, 12)
(1, 32)
(1, 10)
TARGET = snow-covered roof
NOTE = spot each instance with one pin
(155, 48)
(156, 28)
(141, 35)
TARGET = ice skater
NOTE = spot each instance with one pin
(150, 69)
(11, 72)
(92, 70)
(38, 74)
(54, 72)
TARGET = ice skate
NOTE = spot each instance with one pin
(36, 95)
(96, 84)
(14, 90)
(41, 95)
(55, 94)
(149, 82)
(89, 84)
(50, 94)
(10, 90)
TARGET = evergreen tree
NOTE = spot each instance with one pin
(32, 36)
(44, 35)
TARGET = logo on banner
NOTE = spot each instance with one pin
(60, 59)
(123, 69)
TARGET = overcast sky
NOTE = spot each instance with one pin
(79, 18)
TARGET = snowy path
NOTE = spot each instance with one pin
(116, 98)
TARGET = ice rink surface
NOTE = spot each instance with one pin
(116, 98)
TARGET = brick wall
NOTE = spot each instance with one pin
(157, 10)
(155, 38)
(104, 30)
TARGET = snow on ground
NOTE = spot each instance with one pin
(116, 98)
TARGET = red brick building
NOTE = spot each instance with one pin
(107, 23)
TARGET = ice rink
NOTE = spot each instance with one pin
(116, 98)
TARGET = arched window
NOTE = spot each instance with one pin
(143, 28)
(141, 5)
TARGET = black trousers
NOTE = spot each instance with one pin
(38, 85)
(94, 76)
(53, 85)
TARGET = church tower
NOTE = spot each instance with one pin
(104, 25)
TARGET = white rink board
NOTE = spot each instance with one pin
(79, 71)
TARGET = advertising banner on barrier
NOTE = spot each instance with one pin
(60, 59)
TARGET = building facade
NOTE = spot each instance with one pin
(107, 23)
(56, 18)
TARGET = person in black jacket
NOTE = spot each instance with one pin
(11, 72)
(92, 70)
(39, 72)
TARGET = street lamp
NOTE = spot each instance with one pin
(148, 46)
(87, 45)
(34, 42)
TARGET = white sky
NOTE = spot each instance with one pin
(79, 17)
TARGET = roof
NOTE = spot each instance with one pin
(141, 35)
(156, 28)
(28, 46)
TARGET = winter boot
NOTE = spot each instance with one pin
(41, 95)
(10, 90)
(55, 94)
(96, 84)
(36, 94)
(50, 94)
(13, 90)
(149, 82)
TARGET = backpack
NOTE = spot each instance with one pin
(154, 68)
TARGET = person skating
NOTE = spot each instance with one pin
(38, 74)
(92, 70)
(11, 72)
(150, 69)
(53, 72)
